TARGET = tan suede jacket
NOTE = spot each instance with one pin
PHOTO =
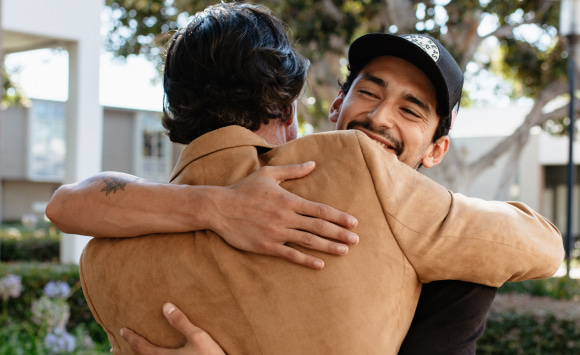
(412, 231)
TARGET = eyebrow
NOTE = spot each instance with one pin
(418, 102)
(374, 79)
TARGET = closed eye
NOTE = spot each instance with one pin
(411, 112)
(368, 93)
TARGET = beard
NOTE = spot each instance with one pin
(396, 144)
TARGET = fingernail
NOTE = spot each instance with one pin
(309, 162)
(353, 238)
(318, 264)
(168, 308)
(352, 221)
(342, 249)
(121, 332)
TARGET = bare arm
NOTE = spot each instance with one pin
(121, 205)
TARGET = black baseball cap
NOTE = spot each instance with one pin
(423, 51)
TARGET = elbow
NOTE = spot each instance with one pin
(557, 254)
(55, 210)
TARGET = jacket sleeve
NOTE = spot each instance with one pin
(447, 236)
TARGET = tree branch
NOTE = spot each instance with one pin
(521, 134)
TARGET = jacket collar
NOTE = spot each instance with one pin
(223, 138)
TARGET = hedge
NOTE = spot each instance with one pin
(523, 324)
(20, 244)
(554, 287)
(34, 277)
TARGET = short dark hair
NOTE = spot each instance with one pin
(231, 64)
(442, 127)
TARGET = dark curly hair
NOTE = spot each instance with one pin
(232, 64)
(442, 127)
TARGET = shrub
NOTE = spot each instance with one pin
(554, 287)
(522, 324)
(18, 243)
(35, 276)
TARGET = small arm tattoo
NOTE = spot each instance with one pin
(114, 183)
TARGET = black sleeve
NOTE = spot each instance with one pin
(449, 319)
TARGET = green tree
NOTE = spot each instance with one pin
(323, 29)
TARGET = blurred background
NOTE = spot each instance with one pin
(82, 94)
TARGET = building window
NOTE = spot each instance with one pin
(154, 160)
(47, 140)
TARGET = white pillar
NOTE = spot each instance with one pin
(84, 124)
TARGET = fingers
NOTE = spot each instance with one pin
(179, 321)
(327, 213)
(309, 241)
(138, 343)
(297, 257)
(199, 342)
(305, 207)
(289, 172)
(318, 226)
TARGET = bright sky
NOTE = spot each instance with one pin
(43, 74)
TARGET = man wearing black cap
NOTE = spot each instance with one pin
(451, 315)
(403, 93)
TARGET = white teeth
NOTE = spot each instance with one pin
(381, 144)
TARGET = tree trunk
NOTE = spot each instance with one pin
(509, 174)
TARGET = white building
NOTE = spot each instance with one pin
(541, 171)
(75, 26)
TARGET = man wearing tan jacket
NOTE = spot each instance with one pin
(411, 229)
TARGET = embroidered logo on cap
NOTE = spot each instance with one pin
(425, 44)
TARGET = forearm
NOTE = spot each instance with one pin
(255, 214)
(114, 204)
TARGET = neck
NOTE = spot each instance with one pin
(276, 132)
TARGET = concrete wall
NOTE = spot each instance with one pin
(529, 180)
(55, 18)
(118, 141)
(531, 175)
(24, 197)
(14, 138)
(120, 153)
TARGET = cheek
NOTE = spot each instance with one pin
(342, 122)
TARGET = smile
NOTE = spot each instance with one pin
(384, 144)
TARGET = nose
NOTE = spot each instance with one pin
(383, 115)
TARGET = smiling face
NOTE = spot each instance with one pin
(394, 103)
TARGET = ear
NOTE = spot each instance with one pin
(288, 111)
(436, 153)
(334, 110)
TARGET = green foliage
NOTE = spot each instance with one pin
(23, 338)
(144, 27)
(18, 243)
(512, 333)
(327, 27)
(12, 94)
(562, 288)
(547, 323)
(34, 277)
(315, 28)
(20, 338)
(531, 69)
(30, 249)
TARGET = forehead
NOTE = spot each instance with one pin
(401, 74)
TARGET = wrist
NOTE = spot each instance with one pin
(206, 213)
